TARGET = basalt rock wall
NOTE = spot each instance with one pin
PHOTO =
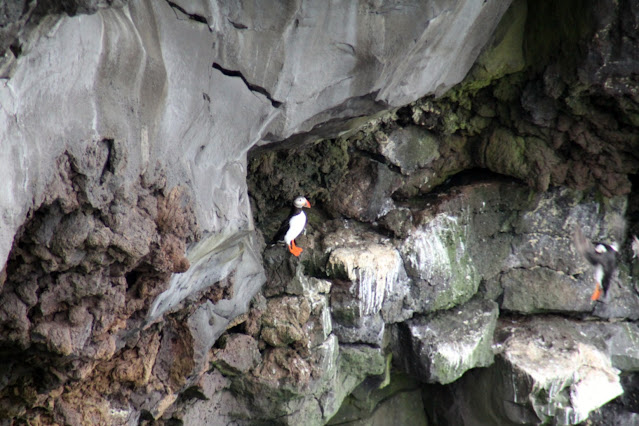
(126, 236)
(444, 229)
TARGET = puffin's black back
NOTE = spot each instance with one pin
(279, 235)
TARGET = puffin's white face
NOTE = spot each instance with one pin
(301, 202)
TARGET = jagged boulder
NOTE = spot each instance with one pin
(364, 192)
(546, 370)
(441, 347)
(619, 340)
(409, 148)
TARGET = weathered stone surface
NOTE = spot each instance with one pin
(545, 370)
(284, 320)
(362, 402)
(442, 347)
(566, 384)
(544, 271)
(124, 164)
(619, 339)
(147, 40)
(404, 408)
(364, 191)
(541, 290)
(210, 402)
(369, 329)
(372, 265)
(436, 257)
(409, 148)
(238, 355)
(444, 259)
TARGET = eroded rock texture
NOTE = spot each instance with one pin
(418, 187)
(437, 263)
(125, 128)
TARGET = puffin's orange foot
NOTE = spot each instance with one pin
(295, 249)
(596, 294)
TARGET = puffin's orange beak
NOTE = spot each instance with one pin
(307, 204)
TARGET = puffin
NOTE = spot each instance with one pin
(293, 225)
(600, 255)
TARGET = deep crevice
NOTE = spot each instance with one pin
(471, 176)
(251, 87)
(192, 16)
(379, 158)
(16, 49)
(237, 25)
(109, 164)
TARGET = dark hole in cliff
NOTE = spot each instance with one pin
(472, 176)
(16, 49)
(194, 392)
(146, 418)
(428, 119)
(109, 164)
(132, 278)
(239, 328)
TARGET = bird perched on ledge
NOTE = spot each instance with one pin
(293, 225)
(600, 255)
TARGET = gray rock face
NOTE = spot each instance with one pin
(545, 369)
(404, 408)
(110, 107)
(128, 244)
(127, 83)
(442, 347)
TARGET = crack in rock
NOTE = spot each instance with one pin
(251, 87)
(194, 17)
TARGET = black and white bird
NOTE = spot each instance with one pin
(293, 225)
(600, 255)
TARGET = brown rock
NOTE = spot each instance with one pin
(239, 354)
(284, 319)
(364, 192)
(282, 365)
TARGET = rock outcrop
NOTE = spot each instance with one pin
(546, 369)
(148, 147)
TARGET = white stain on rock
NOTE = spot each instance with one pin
(566, 384)
(376, 268)
(436, 255)
(435, 250)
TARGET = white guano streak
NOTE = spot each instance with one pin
(428, 249)
(375, 268)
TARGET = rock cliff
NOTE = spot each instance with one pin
(449, 149)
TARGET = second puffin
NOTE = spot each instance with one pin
(602, 256)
